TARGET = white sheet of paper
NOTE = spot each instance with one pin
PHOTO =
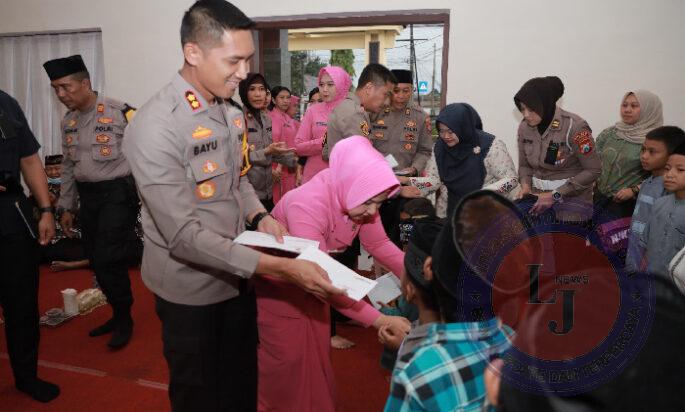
(391, 161)
(290, 243)
(340, 275)
(387, 289)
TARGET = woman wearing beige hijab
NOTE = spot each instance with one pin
(619, 148)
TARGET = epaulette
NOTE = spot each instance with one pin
(128, 112)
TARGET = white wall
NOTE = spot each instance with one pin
(599, 48)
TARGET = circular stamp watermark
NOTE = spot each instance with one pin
(576, 316)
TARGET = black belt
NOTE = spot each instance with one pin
(105, 185)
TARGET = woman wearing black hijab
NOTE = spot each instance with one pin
(467, 158)
(262, 150)
(558, 162)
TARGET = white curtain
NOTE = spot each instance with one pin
(22, 76)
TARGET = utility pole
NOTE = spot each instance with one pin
(412, 60)
(433, 84)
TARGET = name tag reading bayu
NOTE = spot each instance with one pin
(205, 147)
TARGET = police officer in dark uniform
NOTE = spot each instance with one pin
(19, 237)
(95, 170)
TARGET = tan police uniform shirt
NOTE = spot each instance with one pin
(348, 119)
(576, 160)
(91, 143)
(258, 139)
(186, 158)
(405, 134)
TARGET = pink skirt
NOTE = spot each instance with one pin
(294, 352)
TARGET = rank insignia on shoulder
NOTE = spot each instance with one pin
(205, 190)
(105, 120)
(555, 124)
(209, 167)
(71, 123)
(238, 122)
(192, 100)
(101, 108)
(584, 141)
(364, 127)
(201, 133)
(407, 111)
(102, 138)
(128, 112)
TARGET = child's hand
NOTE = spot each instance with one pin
(623, 195)
(387, 337)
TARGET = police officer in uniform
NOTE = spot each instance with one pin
(19, 237)
(402, 129)
(96, 174)
(351, 116)
(262, 150)
(187, 151)
(557, 158)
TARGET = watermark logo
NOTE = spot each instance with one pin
(577, 317)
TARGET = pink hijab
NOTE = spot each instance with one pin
(342, 81)
(358, 172)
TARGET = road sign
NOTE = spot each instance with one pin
(423, 87)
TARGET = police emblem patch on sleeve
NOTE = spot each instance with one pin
(584, 141)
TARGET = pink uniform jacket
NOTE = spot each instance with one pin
(309, 139)
(295, 371)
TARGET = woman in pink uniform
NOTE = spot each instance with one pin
(339, 203)
(334, 84)
(283, 129)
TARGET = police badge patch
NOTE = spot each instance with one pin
(364, 127)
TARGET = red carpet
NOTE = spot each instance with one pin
(93, 377)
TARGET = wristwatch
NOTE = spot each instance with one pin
(258, 218)
(47, 209)
(556, 197)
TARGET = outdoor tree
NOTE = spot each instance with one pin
(344, 59)
(301, 64)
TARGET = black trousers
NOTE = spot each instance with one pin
(19, 301)
(211, 352)
(108, 216)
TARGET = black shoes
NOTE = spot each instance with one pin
(121, 327)
(38, 389)
(103, 329)
(122, 333)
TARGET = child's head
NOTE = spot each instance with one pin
(415, 287)
(674, 178)
(659, 144)
(412, 211)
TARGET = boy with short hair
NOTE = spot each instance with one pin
(664, 234)
(444, 372)
(658, 146)
(416, 294)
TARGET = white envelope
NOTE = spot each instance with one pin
(290, 243)
(341, 276)
(387, 289)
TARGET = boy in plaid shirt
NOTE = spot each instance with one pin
(445, 371)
